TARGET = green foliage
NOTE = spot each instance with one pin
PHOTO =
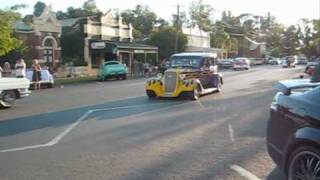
(8, 42)
(290, 40)
(164, 38)
(38, 8)
(200, 15)
(141, 18)
(72, 45)
(89, 8)
(18, 6)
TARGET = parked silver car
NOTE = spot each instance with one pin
(47, 79)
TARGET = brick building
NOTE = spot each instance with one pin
(42, 37)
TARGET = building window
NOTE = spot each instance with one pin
(48, 55)
(48, 43)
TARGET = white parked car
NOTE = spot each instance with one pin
(241, 63)
(12, 89)
(46, 78)
(275, 61)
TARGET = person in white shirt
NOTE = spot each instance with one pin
(20, 68)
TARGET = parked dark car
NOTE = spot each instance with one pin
(293, 131)
(226, 63)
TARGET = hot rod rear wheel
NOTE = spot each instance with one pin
(304, 163)
(8, 98)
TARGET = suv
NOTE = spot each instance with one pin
(293, 133)
(189, 75)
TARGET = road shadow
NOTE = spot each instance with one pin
(63, 118)
(276, 174)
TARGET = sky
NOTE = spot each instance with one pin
(286, 11)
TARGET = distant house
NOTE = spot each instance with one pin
(42, 37)
(247, 47)
(199, 41)
(105, 38)
(254, 49)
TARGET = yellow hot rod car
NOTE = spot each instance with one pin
(190, 75)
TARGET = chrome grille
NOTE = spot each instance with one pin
(170, 79)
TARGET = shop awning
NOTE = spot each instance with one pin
(114, 46)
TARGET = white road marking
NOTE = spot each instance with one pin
(243, 172)
(231, 133)
(60, 136)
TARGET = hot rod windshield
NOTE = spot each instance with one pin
(185, 62)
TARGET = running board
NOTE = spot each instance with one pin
(208, 91)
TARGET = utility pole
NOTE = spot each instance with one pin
(177, 29)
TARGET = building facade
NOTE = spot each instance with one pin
(106, 38)
(42, 38)
(199, 41)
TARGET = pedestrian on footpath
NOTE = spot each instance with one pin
(20, 68)
(6, 72)
(1, 72)
(36, 75)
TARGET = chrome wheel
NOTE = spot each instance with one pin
(195, 94)
(305, 165)
(8, 98)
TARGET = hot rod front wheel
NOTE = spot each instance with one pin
(151, 94)
(195, 94)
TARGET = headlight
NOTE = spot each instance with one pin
(182, 76)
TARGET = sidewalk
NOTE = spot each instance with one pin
(86, 79)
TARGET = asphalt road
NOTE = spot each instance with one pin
(110, 130)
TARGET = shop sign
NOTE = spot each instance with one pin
(98, 45)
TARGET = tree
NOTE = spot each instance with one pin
(141, 18)
(200, 15)
(164, 38)
(38, 8)
(8, 42)
(178, 23)
(89, 8)
(290, 40)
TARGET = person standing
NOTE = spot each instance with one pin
(20, 68)
(1, 72)
(6, 72)
(36, 75)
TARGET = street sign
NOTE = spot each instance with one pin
(98, 45)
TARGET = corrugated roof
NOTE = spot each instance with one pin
(22, 26)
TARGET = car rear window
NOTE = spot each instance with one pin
(111, 63)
